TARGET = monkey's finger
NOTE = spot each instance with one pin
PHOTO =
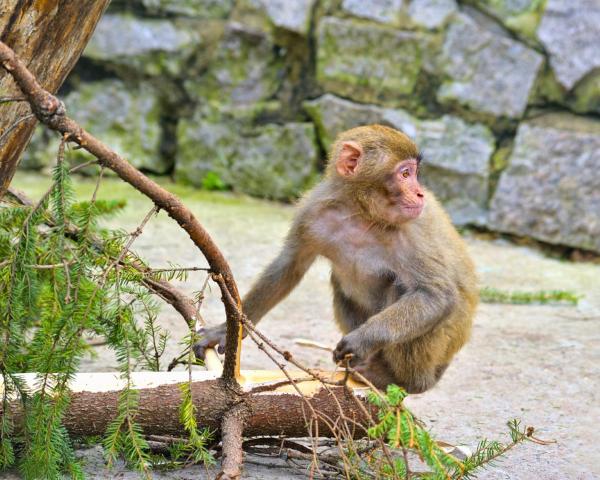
(340, 353)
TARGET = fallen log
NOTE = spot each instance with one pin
(281, 411)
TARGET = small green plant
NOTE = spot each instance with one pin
(493, 295)
(212, 181)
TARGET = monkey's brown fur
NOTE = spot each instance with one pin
(404, 291)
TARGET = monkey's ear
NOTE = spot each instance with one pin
(348, 158)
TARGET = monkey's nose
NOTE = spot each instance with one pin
(420, 194)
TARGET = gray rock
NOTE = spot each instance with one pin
(490, 74)
(369, 63)
(383, 11)
(204, 9)
(551, 190)
(570, 32)
(457, 154)
(143, 46)
(125, 118)
(431, 13)
(293, 16)
(456, 166)
(271, 161)
(244, 69)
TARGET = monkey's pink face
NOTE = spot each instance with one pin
(405, 195)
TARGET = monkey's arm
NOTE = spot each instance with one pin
(280, 277)
(413, 315)
(273, 285)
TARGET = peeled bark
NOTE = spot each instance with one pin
(49, 37)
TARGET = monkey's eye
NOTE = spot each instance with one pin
(405, 173)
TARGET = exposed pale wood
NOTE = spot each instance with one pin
(49, 36)
(212, 361)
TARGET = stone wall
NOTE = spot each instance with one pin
(503, 96)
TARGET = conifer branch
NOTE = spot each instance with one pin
(51, 111)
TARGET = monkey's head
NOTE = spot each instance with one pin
(377, 168)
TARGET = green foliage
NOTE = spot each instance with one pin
(493, 295)
(58, 285)
(212, 181)
(410, 443)
(195, 450)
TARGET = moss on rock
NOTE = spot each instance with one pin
(269, 160)
(367, 62)
(125, 117)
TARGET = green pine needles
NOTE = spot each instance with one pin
(57, 289)
(413, 453)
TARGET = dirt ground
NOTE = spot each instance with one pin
(537, 363)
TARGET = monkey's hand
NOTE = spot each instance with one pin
(209, 338)
(351, 344)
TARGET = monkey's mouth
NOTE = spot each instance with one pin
(411, 210)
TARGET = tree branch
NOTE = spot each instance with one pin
(51, 111)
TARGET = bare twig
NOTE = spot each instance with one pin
(304, 342)
(179, 269)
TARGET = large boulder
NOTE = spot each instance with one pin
(227, 149)
(367, 62)
(551, 190)
(125, 117)
(245, 68)
(138, 47)
(488, 73)
(456, 153)
(570, 33)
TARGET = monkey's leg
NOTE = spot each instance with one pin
(418, 365)
(376, 370)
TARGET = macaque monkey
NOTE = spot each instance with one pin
(404, 287)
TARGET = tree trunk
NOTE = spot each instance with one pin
(49, 36)
(282, 411)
